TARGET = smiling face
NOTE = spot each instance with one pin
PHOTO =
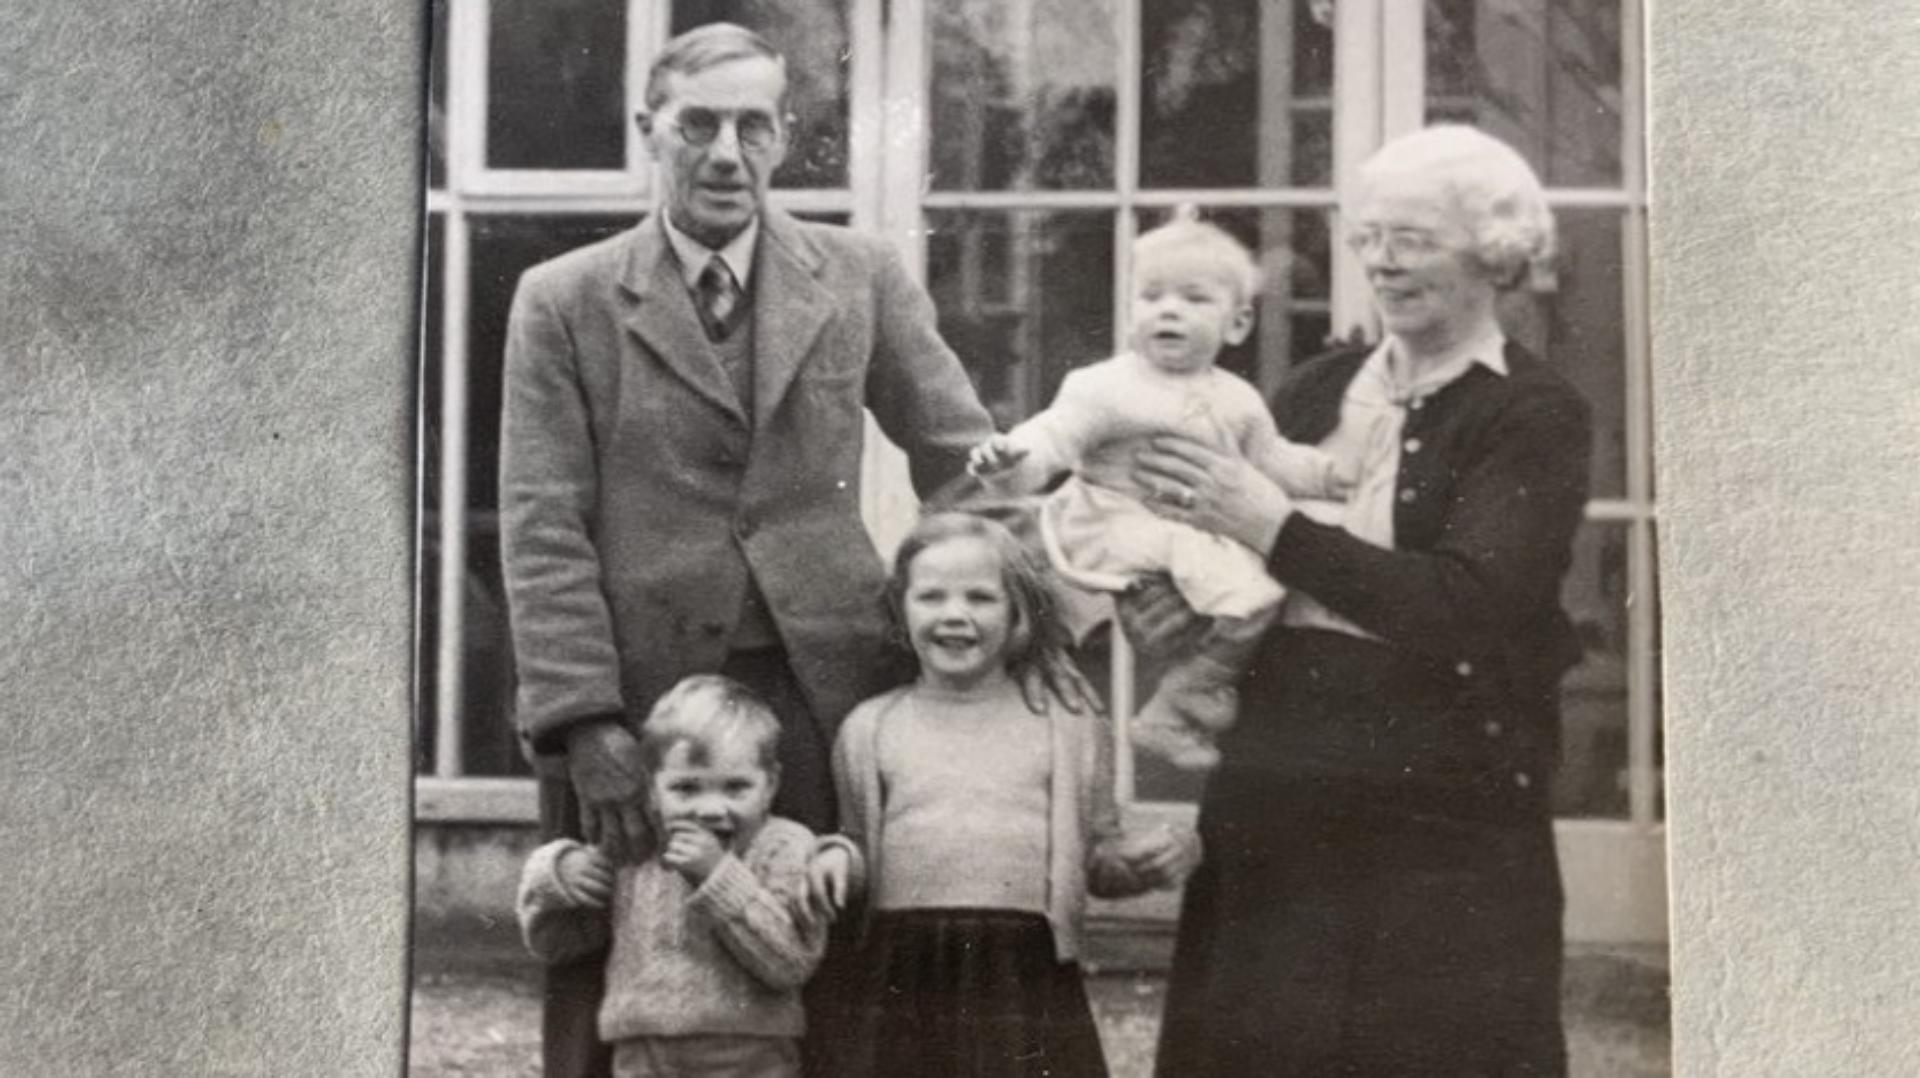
(1416, 251)
(1185, 309)
(958, 614)
(712, 191)
(722, 787)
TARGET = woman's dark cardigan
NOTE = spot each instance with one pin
(1491, 488)
(1380, 893)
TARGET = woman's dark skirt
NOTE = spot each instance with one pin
(966, 992)
(1335, 933)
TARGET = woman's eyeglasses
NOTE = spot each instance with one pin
(1396, 243)
(755, 130)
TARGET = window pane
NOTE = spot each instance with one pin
(501, 247)
(437, 44)
(1024, 296)
(1579, 327)
(555, 94)
(813, 36)
(1236, 93)
(1291, 313)
(1541, 74)
(1021, 97)
(1592, 780)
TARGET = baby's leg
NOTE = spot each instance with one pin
(1199, 697)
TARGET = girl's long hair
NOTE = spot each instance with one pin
(1037, 638)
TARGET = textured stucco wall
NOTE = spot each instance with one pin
(1786, 281)
(207, 240)
(206, 272)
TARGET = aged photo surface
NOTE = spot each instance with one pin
(1009, 156)
(235, 845)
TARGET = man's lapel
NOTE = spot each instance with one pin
(662, 316)
(789, 307)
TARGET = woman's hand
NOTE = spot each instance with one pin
(1211, 491)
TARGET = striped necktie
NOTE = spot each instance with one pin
(719, 296)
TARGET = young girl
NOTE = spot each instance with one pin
(983, 822)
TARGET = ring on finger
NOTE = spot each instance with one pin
(1185, 497)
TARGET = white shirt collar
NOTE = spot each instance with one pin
(694, 255)
(1488, 349)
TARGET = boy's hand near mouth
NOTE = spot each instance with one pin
(692, 851)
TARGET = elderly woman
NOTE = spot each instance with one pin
(1381, 894)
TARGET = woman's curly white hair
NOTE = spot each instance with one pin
(1492, 188)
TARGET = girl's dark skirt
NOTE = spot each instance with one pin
(966, 992)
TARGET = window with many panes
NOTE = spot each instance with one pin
(1012, 149)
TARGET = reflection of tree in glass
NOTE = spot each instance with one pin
(812, 35)
(1202, 46)
(1544, 74)
(554, 80)
(1075, 134)
(1021, 104)
(968, 77)
(1200, 127)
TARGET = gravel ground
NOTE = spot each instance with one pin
(482, 1018)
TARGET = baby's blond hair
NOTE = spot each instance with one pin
(1187, 232)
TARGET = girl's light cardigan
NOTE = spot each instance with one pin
(1085, 840)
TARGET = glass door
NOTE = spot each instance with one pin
(1029, 142)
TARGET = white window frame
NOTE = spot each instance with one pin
(1614, 868)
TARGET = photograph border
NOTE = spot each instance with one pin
(210, 287)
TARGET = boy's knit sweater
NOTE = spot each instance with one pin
(727, 958)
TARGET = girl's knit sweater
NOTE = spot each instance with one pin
(1083, 839)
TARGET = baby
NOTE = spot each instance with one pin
(1193, 295)
(710, 944)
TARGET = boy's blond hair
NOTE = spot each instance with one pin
(706, 710)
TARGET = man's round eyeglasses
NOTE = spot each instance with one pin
(700, 127)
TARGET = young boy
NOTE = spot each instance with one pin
(1193, 295)
(709, 944)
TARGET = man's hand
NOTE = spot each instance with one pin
(995, 455)
(603, 763)
(588, 873)
(692, 851)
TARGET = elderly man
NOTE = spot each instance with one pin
(680, 464)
